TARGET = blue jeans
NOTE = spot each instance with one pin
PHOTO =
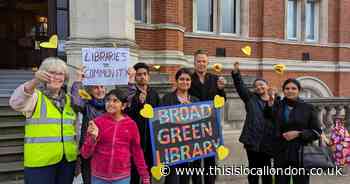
(95, 180)
(60, 173)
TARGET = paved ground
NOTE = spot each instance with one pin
(238, 157)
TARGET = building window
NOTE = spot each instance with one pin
(302, 20)
(216, 16)
(292, 19)
(141, 7)
(311, 22)
(205, 15)
(62, 29)
(228, 16)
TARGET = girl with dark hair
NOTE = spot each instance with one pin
(179, 96)
(111, 140)
(296, 124)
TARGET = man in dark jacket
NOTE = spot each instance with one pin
(257, 133)
(144, 95)
(205, 86)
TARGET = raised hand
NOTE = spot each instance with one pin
(272, 94)
(93, 129)
(80, 74)
(42, 76)
(236, 67)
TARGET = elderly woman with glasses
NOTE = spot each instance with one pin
(50, 149)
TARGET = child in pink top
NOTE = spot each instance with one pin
(111, 140)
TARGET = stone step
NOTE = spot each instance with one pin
(11, 150)
(11, 167)
(10, 85)
(16, 136)
(20, 181)
(7, 111)
(11, 123)
(17, 72)
(11, 80)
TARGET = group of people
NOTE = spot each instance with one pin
(115, 145)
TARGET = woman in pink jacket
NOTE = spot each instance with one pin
(111, 140)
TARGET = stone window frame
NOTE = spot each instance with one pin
(148, 12)
(217, 19)
(321, 14)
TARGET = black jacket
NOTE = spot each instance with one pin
(171, 99)
(302, 117)
(206, 91)
(134, 109)
(257, 133)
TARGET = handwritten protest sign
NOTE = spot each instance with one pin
(182, 133)
(105, 66)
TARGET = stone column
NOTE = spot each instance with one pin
(102, 23)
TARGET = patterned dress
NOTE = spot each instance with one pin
(340, 142)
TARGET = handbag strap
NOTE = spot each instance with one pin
(320, 140)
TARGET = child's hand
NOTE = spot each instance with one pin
(93, 129)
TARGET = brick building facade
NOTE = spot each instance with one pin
(312, 37)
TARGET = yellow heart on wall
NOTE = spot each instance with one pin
(247, 50)
(219, 101)
(156, 172)
(222, 152)
(279, 68)
(51, 44)
(147, 111)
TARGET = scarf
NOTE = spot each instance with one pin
(58, 101)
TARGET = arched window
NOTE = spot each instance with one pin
(314, 87)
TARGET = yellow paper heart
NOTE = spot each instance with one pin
(219, 101)
(156, 172)
(147, 111)
(222, 152)
(247, 50)
(279, 68)
(84, 95)
(217, 67)
(51, 44)
(156, 67)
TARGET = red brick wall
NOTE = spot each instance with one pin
(167, 11)
(344, 23)
(273, 19)
(233, 48)
(343, 84)
(188, 16)
(159, 39)
(333, 21)
(277, 80)
(255, 18)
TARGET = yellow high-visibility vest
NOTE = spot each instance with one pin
(49, 134)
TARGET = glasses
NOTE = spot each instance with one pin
(56, 73)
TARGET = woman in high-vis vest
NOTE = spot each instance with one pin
(50, 148)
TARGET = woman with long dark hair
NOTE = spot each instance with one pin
(296, 124)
